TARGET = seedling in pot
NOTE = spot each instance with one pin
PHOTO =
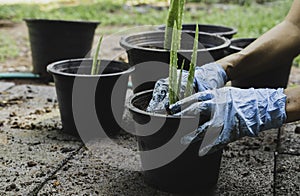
(96, 63)
(174, 81)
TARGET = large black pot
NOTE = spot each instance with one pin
(272, 79)
(54, 40)
(220, 30)
(167, 164)
(145, 52)
(77, 90)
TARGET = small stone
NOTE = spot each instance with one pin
(47, 110)
(281, 169)
(267, 148)
(54, 177)
(297, 130)
(65, 150)
(13, 114)
(56, 183)
(31, 164)
(38, 112)
(11, 187)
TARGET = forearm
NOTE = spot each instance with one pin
(276, 48)
(293, 104)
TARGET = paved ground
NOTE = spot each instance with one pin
(37, 158)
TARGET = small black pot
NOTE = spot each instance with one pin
(145, 52)
(219, 30)
(273, 79)
(186, 172)
(239, 44)
(73, 76)
(54, 40)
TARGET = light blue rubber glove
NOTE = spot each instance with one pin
(208, 76)
(233, 113)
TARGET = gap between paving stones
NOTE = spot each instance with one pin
(59, 167)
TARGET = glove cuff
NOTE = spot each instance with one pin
(275, 112)
(210, 76)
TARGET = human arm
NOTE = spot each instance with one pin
(293, 103)
(274, 49)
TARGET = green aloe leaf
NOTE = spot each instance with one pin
(96, 63)
(173, 67)
(190, 81)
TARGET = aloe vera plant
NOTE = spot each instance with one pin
(175, 15)
(96, 64)
(174, 81)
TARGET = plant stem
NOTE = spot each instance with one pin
(96, 63)
(190, 81)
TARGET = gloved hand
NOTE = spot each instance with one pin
(233, 113)
(208, 76)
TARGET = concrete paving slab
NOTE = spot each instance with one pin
(36, 157)
(265, 142)
(289, 139)
(103, 169)
(29, 157)
(32, 146)
(249, 173)
(113, 167)
(6, 85)
(287, 175)
(247, 166)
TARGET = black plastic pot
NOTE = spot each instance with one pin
(145, 52)
(220, 30)
(273, 79)
(239, 44)
(54, 40)
(72, 76)
(186, 172)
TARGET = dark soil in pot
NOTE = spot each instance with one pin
(72, 76)
(273, 79)
(54, 40)
(145, 52)
(186, 172)
(219, 30)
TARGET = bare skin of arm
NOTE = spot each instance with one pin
(293, 104)
(277, 47)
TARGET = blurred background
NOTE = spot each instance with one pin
(250, 17)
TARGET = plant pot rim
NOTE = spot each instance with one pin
(124, 43)
(42, 20)
(240, 39)
(51, 68)
(230, 30)
(132, 108)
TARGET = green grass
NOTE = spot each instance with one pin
(251, 20)
(8, 47)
